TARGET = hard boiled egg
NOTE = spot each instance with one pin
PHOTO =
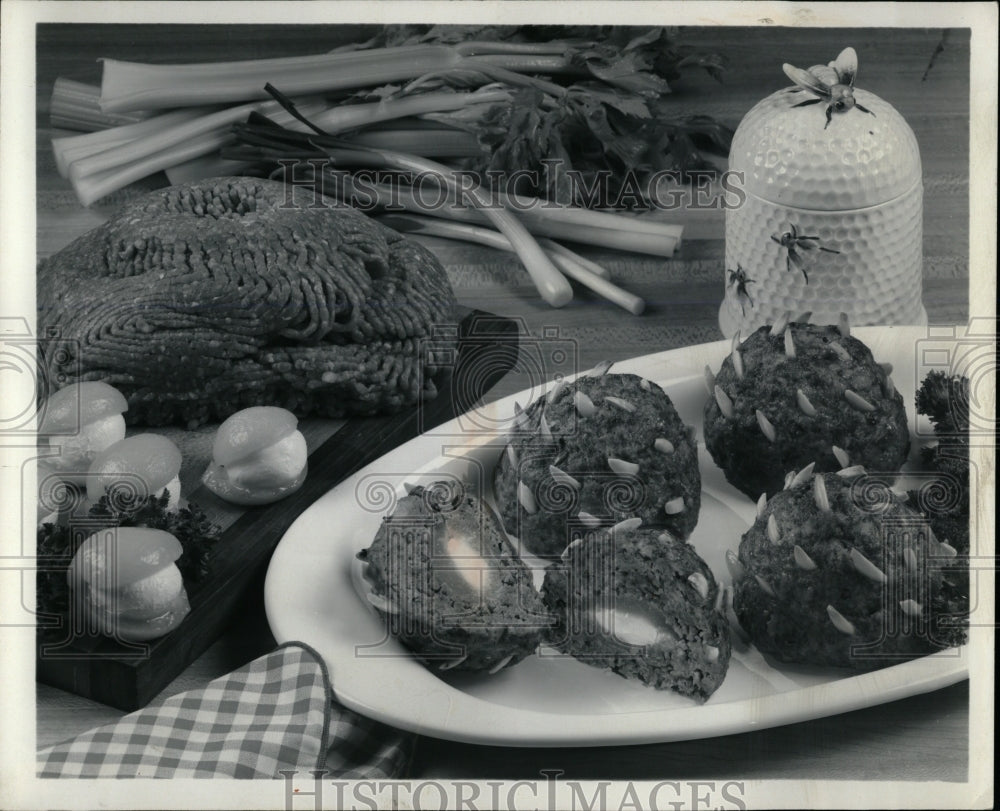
(136, 467)
(79, 421)
(258, 456)
(126, 584)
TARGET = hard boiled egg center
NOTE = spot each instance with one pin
(466, 560)
(632, 623)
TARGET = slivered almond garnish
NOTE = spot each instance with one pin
(624, 405)
(526, 498)
(584, 405)
(766, 428)
(674, 506)
(802, 559)
(855, 400)
(563, 478)
(805, 406)
(866, 567)
(627, 525)
(844, 325)
(803, 475)
(622, 467)
(724, 403)
(500, 665)
(764, 585)
(841, 456)
(780, 323)
(700, 583)
(820, 495)
(663, 445)
(453, 663)
(840, 622)
(773, 533)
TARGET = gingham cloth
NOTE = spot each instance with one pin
(275, 714)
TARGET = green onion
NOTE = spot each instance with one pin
(551, 284)
(554, 247)
(617, 231)
(565, 260)
(430, 143)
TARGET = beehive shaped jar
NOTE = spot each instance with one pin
(852, 188)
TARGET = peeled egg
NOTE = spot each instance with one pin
(81, 420)
(126, 583)
(258, 456)
(139, 466)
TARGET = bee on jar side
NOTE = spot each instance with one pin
(738, 278)
(791, 240)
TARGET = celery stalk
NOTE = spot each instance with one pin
(73, 147)
(135, 86)
(76, 106)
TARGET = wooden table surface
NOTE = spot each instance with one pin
(921, 738)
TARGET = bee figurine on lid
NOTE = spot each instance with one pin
(832, 221)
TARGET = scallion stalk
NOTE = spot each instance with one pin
(615, 230)
(565, 260)
(554, 247)
(551, 284)
(430, 143)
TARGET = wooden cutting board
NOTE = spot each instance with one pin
(104, 670)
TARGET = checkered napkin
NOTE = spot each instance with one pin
(276, 713)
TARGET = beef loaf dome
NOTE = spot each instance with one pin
(601, 449)
(199, 300)
(838, 570)
(796, 393)
(643, 604)
(449, 584)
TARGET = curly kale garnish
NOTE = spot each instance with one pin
(57, 543)
(944, 400)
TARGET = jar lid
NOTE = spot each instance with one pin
(788, 154)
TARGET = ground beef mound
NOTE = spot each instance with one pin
(449, 584)
(200, 300)
(851, 579)
(563, 466)
(824, 366)
(608, 578)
